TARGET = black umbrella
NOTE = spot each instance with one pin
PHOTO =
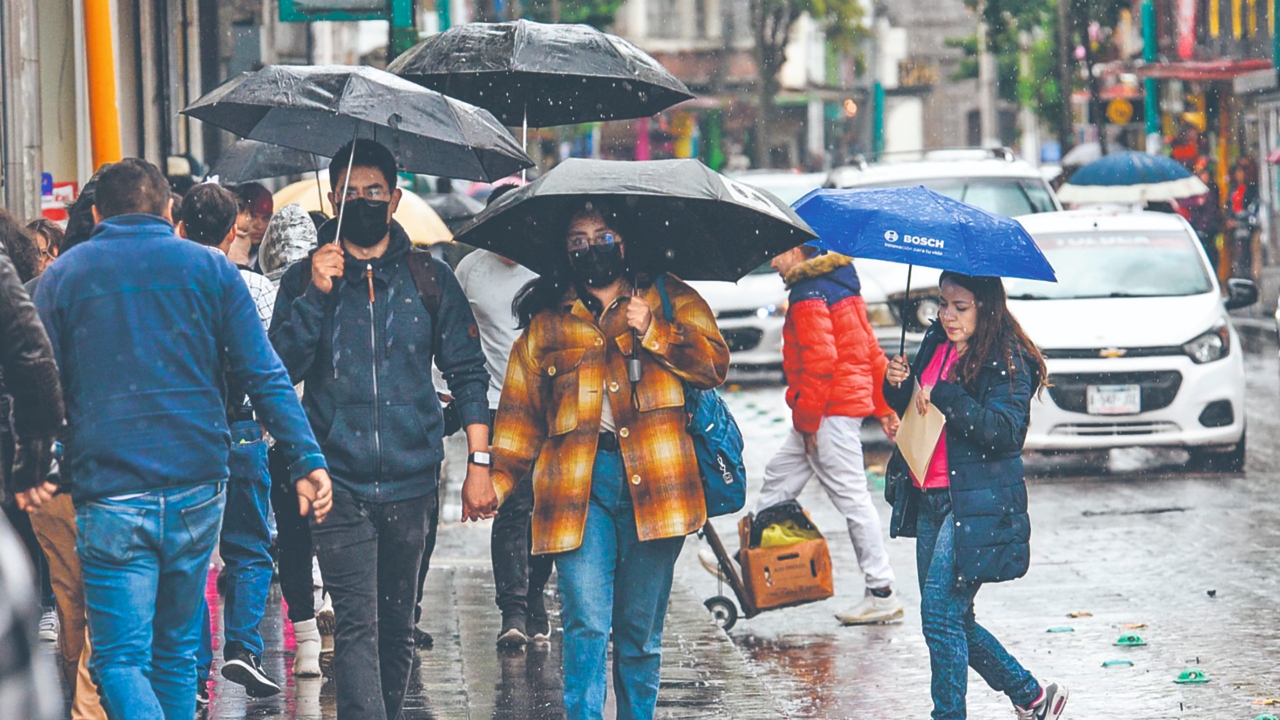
(542, 74)
(249, 160)
(454, 209)
(319, 109)
(680, 216)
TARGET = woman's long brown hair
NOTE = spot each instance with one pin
(997, 334)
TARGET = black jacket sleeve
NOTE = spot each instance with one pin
(31, 376)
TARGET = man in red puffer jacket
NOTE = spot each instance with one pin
(834, 369)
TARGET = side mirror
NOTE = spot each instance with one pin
(1241, 293)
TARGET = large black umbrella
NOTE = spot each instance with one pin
(679, 216)
(319, 109)
(542, 74)
(249, 160)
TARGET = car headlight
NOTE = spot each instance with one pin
(778, 310)
(1211, 346)
(881, 315)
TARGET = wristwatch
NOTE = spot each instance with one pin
(480, 458)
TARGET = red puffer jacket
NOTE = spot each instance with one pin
(833, 364)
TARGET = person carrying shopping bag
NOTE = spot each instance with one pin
(616, 481)
(968, 512)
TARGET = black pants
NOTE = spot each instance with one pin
(369, 555)
(518, 576)
(21, 523)
(429, 547)
(293, 540)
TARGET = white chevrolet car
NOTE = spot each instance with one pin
(1140, 349)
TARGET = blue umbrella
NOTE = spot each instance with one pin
(917, 226)
(1131, 177)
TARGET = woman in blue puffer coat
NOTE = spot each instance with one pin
(969, 511)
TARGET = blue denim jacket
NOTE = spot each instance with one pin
(141, 322)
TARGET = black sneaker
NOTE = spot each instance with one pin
(1049, 706)
(422, 639)
(512, 634)
(202, 695)
(245, 668)
(537, 625)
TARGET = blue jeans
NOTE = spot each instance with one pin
(956, 641)
(614, 581)
(144, 562)
(245, 546)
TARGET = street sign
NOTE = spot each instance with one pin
(400, 12)
(1120, 111)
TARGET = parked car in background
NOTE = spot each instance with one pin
(751, 311)
(992, 179)
(1136, 335)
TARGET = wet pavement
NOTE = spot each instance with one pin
(1128, 539)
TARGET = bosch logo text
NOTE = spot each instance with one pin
(919, 240)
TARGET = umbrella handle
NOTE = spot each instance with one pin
(346, 183)
(906, 301)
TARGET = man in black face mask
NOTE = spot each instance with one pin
(361, 322)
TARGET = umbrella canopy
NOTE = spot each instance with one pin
(249, 160)
(454, 209)
(681, 216)
(319, 109)
(1131, 177)
(554, 74)
(414, 214)
(917, 226)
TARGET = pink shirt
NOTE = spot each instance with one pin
(936, 475)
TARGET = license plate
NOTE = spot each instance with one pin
(1114, 399)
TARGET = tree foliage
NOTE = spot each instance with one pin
(771, 23)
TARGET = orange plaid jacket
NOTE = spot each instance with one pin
(550, 413)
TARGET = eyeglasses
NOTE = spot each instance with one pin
(376, 193)
(579, 242)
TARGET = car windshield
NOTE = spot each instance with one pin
(1003, 196)
(1117, 264)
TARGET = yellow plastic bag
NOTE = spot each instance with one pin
(785, 533)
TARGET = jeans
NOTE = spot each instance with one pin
(517, 575)
(956, 641)
(293, 540)
(428, 549)
(245, 547)
(614, 581)
(838, 465)
(144, 561)
(370, 554)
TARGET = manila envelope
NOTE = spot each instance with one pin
(918, 435)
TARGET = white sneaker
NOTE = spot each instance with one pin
(49, 625)
(325, 624)
(1049, 706)
(306, 658)
(872, 610)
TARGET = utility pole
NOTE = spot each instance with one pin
(1151, 87)
(987, 117)
(1030, 122)
(1066, 66)
(22, 150)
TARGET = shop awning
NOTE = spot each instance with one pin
(1201, 69)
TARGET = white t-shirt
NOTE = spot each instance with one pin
(491, 284)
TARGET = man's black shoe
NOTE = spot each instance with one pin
(244, 668)
(512, 635)
(537, 625)
(422, 639)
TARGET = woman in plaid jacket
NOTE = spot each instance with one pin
(616, 483)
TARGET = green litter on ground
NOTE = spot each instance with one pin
(1061, 629)
(1191, 676)
(1130, 641)
(1117, 663)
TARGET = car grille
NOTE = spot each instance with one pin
(1117, 429)
(1094, 353)
(735, 314)
(741, 339)
(1159, 388)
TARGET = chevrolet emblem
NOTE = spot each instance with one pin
(1112, 352)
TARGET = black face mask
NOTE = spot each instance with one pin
(598, 265)
(364, 222)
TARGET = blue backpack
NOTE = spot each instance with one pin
(717, 441)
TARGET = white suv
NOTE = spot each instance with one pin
(994, 180)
